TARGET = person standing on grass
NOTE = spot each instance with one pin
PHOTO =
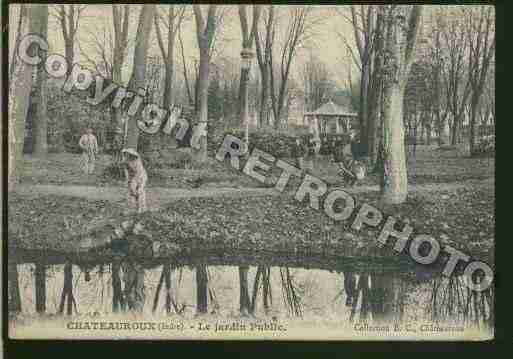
(89, 146)
(343, 158)
(298, 152)
(136, 179)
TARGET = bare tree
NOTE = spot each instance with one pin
(436, 56)
(137, 79)
(481, 40)
(205, 32)
(120, 21)
(185, 72)
(172, 22)
(69, 18)
(295, 34)
(317, 83)
(39, 97)
(455, 45)
(19, 97)
(248, 36)
(22, 20)
(263, 51)
(367, 23)
(397, 68)
(364, 35)
(375, 91)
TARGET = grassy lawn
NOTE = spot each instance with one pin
(431, 165)
(64, 168)
(463, 218)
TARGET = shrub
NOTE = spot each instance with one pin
(486, 147)
(278, 144)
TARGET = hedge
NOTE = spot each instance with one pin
(276, 143)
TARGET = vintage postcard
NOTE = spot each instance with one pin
(256, 172)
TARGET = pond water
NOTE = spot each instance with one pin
(364, 301)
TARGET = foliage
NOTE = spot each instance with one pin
(69, 115)
(462, 218)
(279, 144)
(485, 148)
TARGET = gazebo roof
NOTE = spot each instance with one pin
(331, 109)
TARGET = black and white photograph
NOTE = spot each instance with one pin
(250, 172)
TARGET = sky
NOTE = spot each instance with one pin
(97, 23)
(327, 42)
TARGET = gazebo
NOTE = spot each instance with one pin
(331, 118)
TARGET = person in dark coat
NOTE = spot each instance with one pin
(344, 162)
(299, 152)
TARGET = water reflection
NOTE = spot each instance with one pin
(247, 291)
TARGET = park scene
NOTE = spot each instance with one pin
(251, 171)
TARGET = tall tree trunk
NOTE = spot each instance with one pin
(69, 53)
(205, 31)
(21, 85)
(174, 19)
(120, 17)
(395, 180)
(375, 93)
(39, 124)
(168, 86)
(264, 113)
(364, 95)
(202, 101)
(117, 113)
(455, 130)
(439, 127)
(137, 80)
(472, 124)
(373, 115)
(243, 97)
(263, 52)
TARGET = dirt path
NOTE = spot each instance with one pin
(158, 196)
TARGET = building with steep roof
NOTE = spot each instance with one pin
(332, 118)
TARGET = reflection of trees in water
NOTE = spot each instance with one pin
(171, 301)
(291, 297)
(262, 280)
(67, 291)
(40, 284)
(204, 291)
(452, 299)
(379, 297)
(118, 301)
(376, 297)
(13, 291)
